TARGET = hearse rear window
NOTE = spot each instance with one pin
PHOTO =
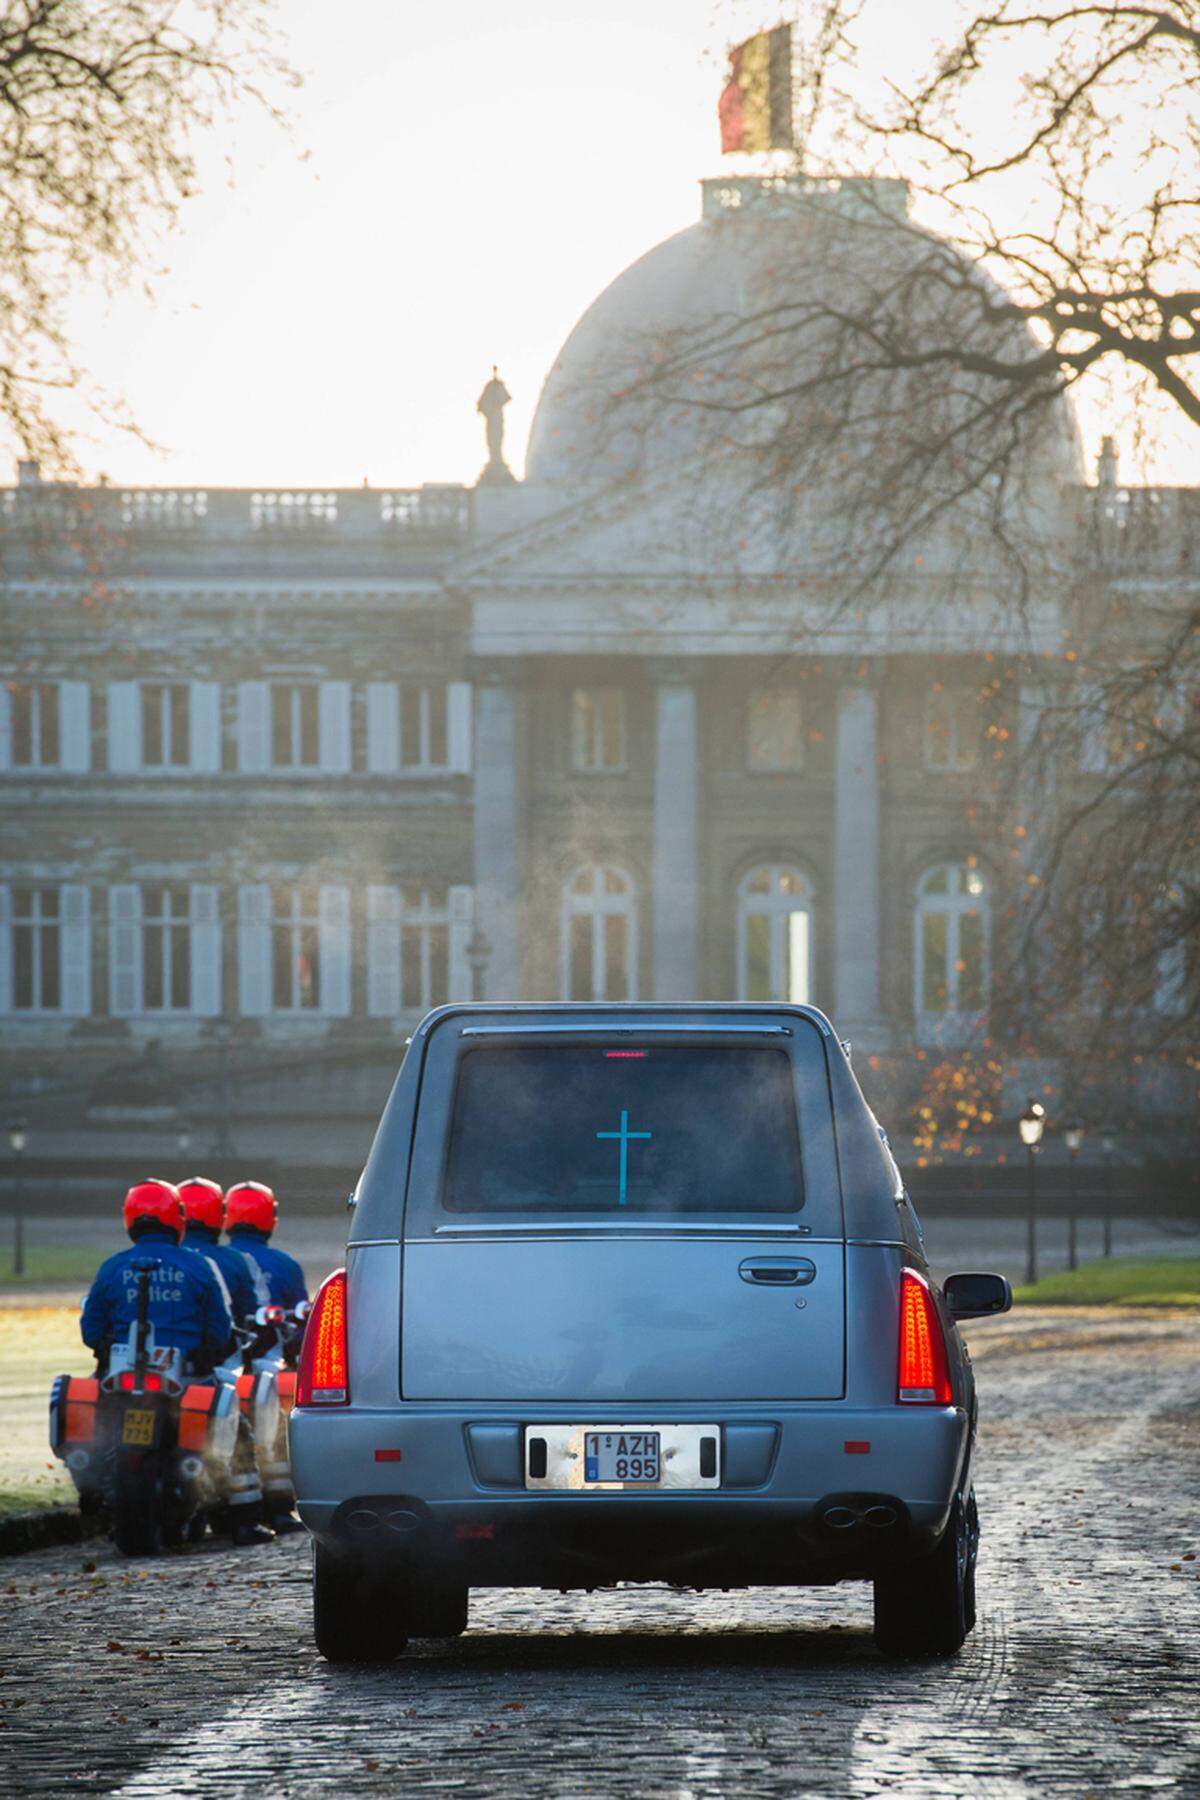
(566, 1129)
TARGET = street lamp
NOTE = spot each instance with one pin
(1073, 1139)
(1031, 1125)
(17, 1139)
(478, 952)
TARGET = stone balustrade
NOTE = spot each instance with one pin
(434, 514)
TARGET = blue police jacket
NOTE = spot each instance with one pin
(187, 1309)
(285, 1277)
(244, 1280)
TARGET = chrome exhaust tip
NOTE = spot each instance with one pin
(840, 1518)
(880, 1518)
(364, 1520)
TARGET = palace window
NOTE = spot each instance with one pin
(952, 974)
(775, 731)
(408, 949)
(36, 949)
(166, 725)
(597, 729)
(424, 741)
(598, 946)
(45, 725)
(953, 728)
(415, 728)
(45, 948)
(295, 949)
(166, 949)
(295, 725)
(774, 942)
(36, 737)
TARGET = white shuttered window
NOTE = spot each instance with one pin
(46, 725)
(417, 937)
(46, 948)
(164, 949)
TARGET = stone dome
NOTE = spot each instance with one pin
(760, 243)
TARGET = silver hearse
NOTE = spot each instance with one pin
(634, 1293)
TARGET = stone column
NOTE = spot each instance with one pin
(496, 870)
(675, 938)
(856, 865)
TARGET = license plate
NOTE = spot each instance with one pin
(622, 1456)
(138, 1427)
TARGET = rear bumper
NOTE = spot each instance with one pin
(801, 1499)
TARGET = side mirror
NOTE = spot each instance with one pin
(977, 1296)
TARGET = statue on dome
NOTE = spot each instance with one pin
(491, 404)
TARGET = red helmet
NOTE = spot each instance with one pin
(250, 1203)
(203, 1201)
(154, 1200)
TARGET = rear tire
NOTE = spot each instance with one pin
(927, 1607)
(430, 1611)
(353, 1621)
(138, 1505)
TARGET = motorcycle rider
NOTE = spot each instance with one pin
(188, 1300)
(204, 1209)
(204, 1213)
(251, 1213)
(189, 1308)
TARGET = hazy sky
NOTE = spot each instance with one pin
(461, 182)
(475, 174)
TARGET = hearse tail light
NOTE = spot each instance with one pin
(924, 1374)
(323, 1377)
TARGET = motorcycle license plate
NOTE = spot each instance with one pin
(138, 1426)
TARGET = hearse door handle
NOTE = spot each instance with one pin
(778, 1271)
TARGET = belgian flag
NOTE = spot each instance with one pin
(755, 108)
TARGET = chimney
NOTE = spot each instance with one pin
(1106, 466)
(29, 474)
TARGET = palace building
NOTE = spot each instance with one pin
(282, 770)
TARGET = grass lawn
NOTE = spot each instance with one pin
(48, 1264)
(1113, 1281)
(36, 1344)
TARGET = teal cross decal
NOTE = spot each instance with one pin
(624, 1137)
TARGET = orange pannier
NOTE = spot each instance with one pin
(286, 1383)
(195, 1409)
(79, 1409)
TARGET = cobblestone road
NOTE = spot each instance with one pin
(197, 1676)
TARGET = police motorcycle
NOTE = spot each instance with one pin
(272, 1355)
(142, 1438)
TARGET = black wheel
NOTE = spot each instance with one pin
(434, 1611)
(353, 1620)
(138, 1505)
(927, 1607)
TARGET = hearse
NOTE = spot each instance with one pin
(634, 1294)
